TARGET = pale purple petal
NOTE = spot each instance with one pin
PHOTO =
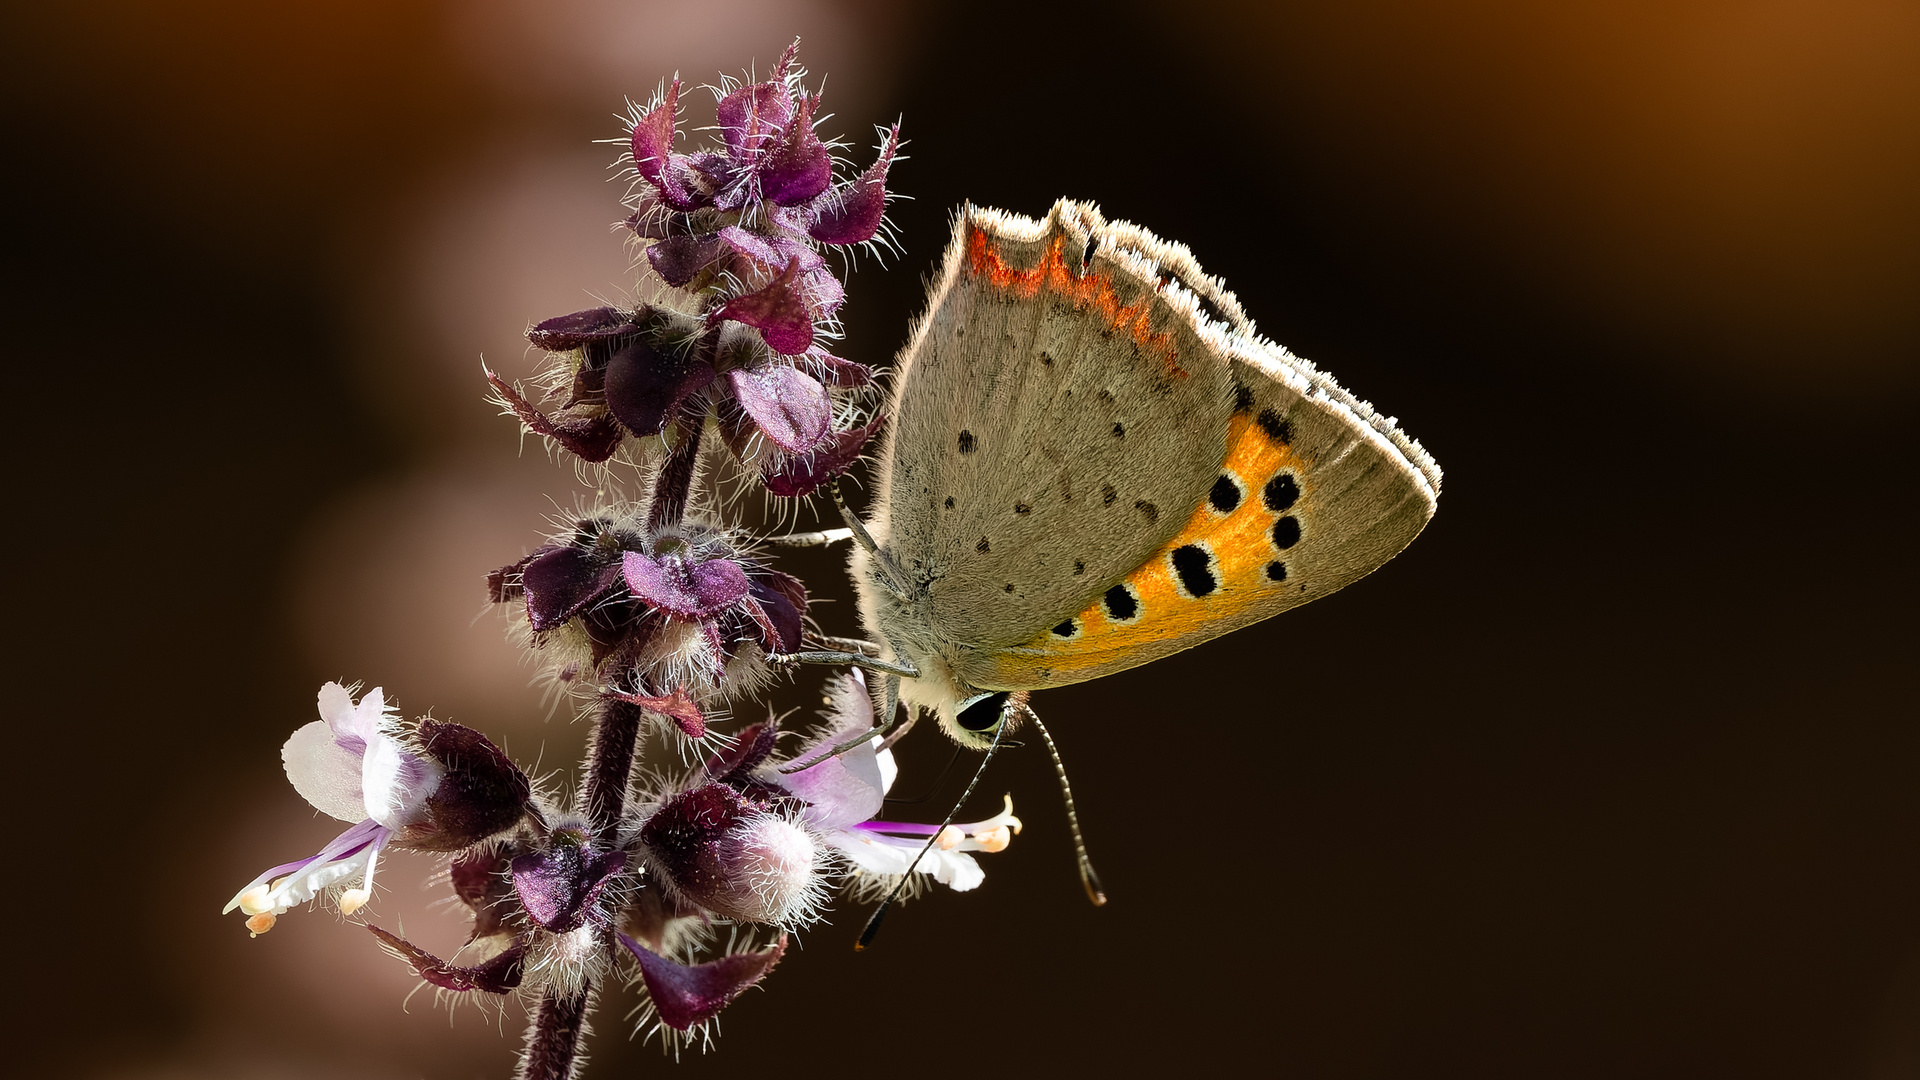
(779, 311)
(324, 773)
(791, 407)
(397, 782)
(684, 589)
(889, 856)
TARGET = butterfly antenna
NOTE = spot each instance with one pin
(873, 922)
(1087, 877)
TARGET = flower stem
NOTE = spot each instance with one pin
(675, 482)
(609, 764)
(553, 1039)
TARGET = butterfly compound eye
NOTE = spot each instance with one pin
(982, 714)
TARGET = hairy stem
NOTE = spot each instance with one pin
(609, 764)
(553, 1038)
(675, 482)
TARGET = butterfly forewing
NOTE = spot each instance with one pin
(1046, 430)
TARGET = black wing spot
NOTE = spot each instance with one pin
(983, 546)
(1281, 493)
(949, 502)
(1067, 629)
(1022, 508)
(1225, 496)
(1046, 358)
(1242, 399)
(966, 442)
(1276, 571)
(1009, 586)
(1108, 494)
(1121, 603)
(1286, 533)
(1106, 397)
(1079, 568)
(1193, 566)
(1276, 428)
(1148, 510)
(1119, 431)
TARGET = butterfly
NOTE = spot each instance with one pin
(1093, 461)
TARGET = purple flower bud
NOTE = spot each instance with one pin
(564, 332)
(686, 996)
(496, 976)
(559, 582)
(653, 156)
(779, 605)
(851, 213)
(482, 793)
(645, 386)
(729, 855)
(735, 764)
(558, 887)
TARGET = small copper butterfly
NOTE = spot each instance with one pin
(1093, 460)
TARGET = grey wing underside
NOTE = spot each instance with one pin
(1038, 451)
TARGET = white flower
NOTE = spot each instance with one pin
(888, 848)
(845, 791)
(349, 765)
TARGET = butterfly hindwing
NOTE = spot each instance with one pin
(1311, 494)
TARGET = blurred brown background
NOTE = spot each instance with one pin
(1612, 773)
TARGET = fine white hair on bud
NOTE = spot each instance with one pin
(773, 865)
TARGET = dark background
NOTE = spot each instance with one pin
(1613, 772)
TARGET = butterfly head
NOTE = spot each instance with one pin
(975, 721)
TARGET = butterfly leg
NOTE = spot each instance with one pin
(847, 644)
(848, 659)
(812, 539)
(884, 730)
